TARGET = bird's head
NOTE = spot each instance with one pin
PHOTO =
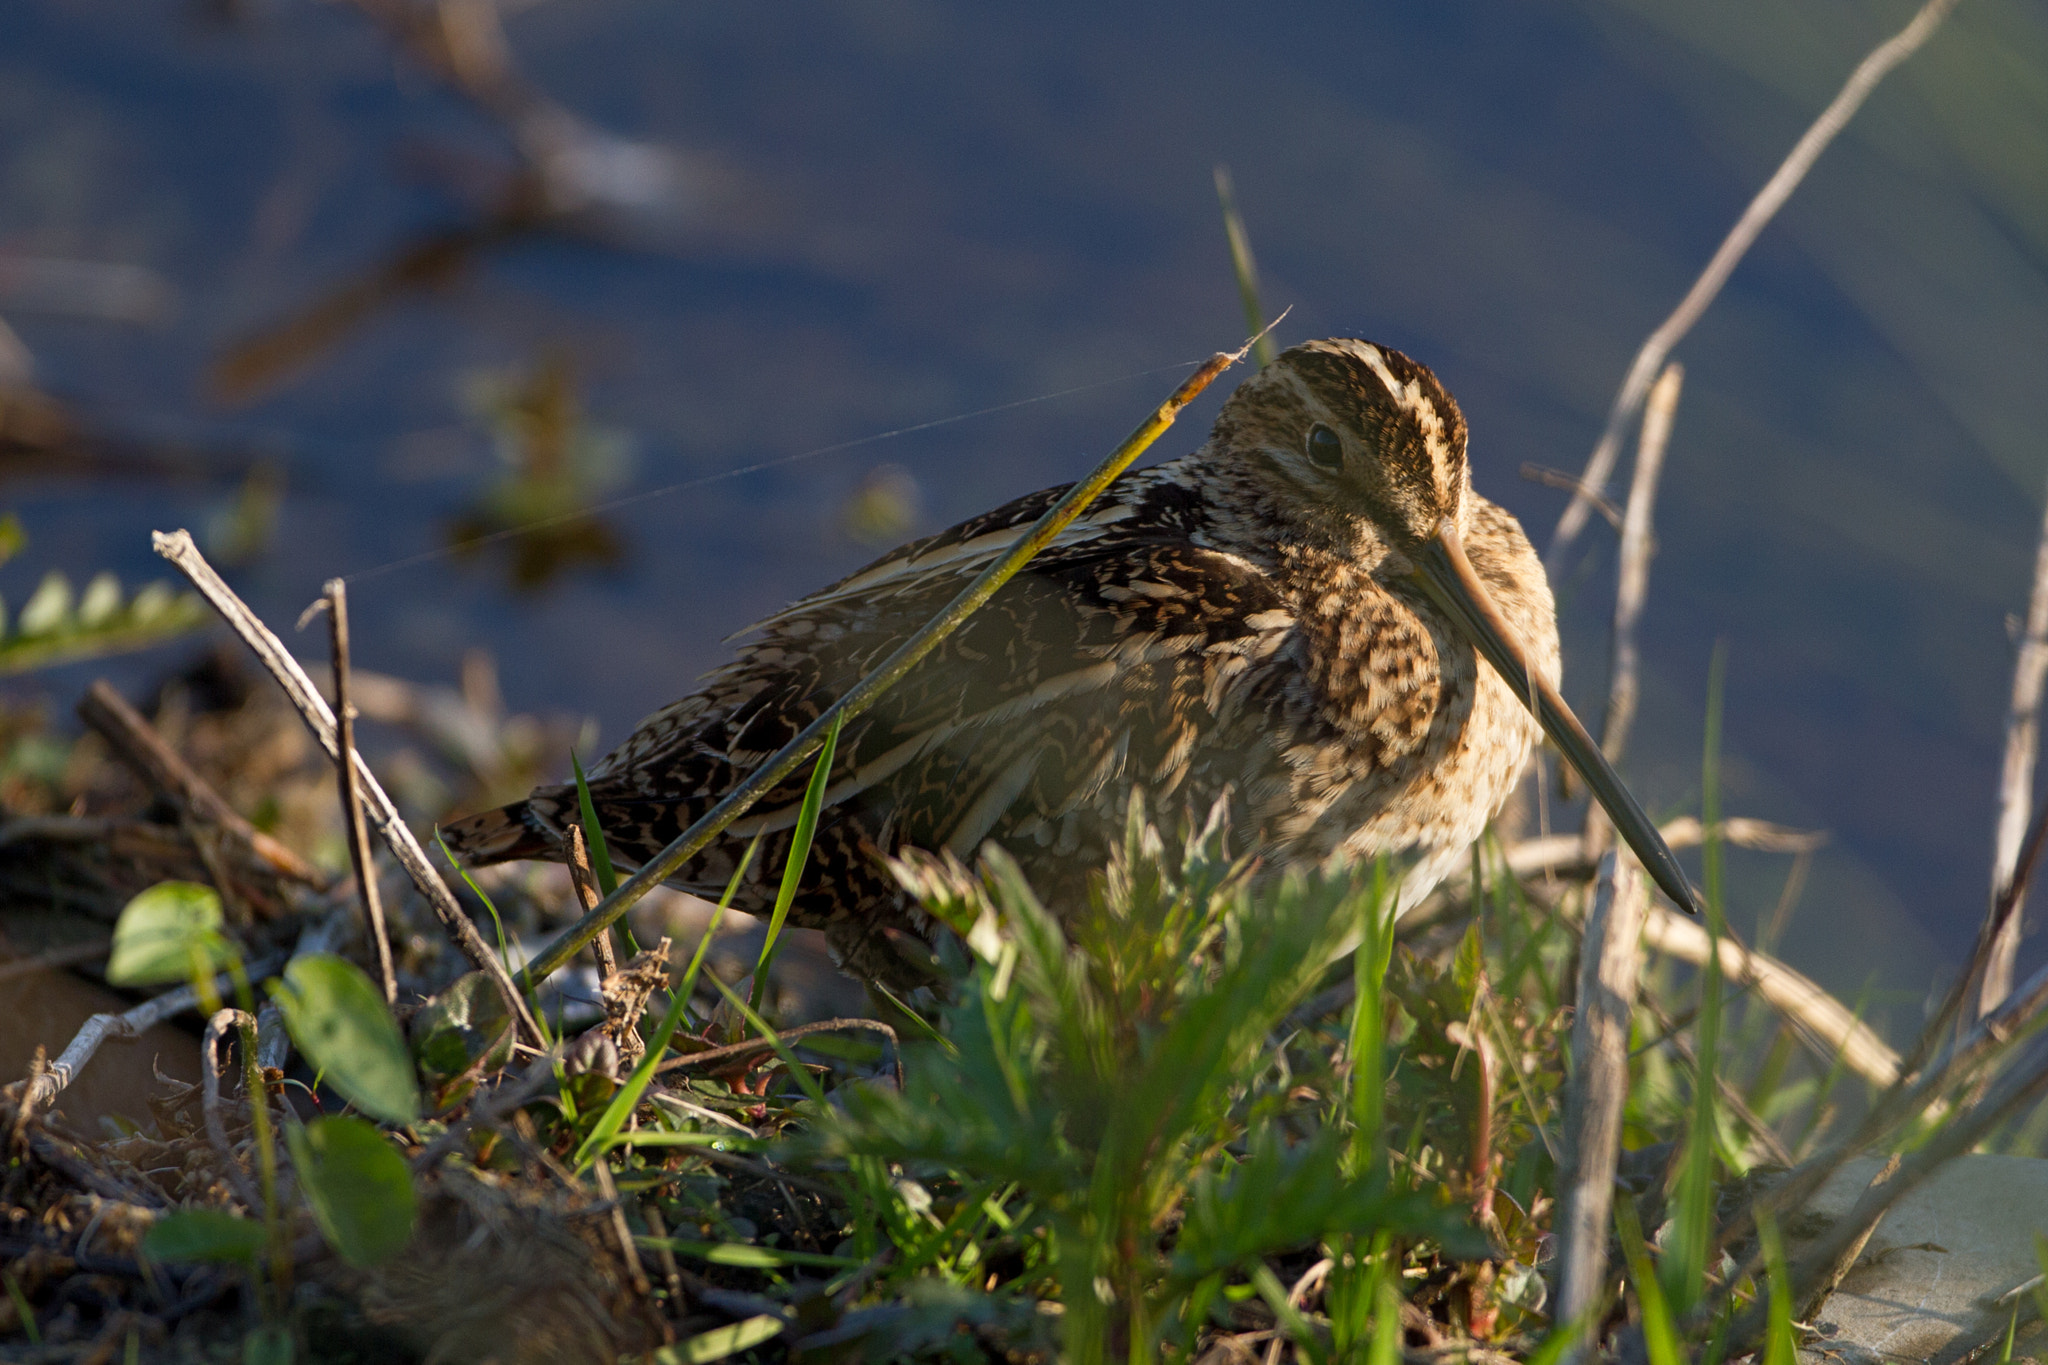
(1348, 430)
(1358, 443)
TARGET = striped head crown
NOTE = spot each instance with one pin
(1354, 430)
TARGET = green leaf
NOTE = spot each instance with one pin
(359, 1186)
(171, 932)
(464, 1029)
(204, 1235)
(47, 608)
(339, 1020)
(100, 603)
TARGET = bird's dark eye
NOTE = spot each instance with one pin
(1324, 447)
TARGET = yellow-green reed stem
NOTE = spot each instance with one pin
(868, 690)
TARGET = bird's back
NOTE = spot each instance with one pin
(1161, 645)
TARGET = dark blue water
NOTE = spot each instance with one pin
(917, 211)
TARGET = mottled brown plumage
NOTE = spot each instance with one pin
(1243, 622)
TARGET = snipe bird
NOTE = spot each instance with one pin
(1285, 619)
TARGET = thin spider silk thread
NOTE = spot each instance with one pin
(649, 495)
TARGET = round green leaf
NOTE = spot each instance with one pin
(339, 1020)
(170, 932)
(359, 1186)
(203, 1235)
(462, 1027)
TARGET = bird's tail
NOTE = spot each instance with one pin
(520, 830)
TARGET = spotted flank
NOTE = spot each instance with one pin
(1240, 624)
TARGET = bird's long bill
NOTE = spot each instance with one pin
(1447, 576)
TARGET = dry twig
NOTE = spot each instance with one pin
(697, 1061)
(359, 853)
(1631, 588)
(1638, 544)
(584, 878)
(1609, 962)
(1826, 1025)
(1657, 346)
(101, 1027)
(179, 549)
(2016, 790)
(1564, 855)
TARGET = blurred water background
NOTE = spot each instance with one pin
(344, 330)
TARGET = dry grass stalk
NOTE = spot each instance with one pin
(359, 853)
(1658, 345)
(1830, 1276)
(584, 878)
(620, 1230)
(179, 549)
(2016, 789)
(1609, 966)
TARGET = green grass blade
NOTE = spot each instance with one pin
(1660, 1335)
(600, 852)
(744, 1255)
(1386, 1318)
(1285, 1314)
(1780, 1346)
(799, 854)
(1692, 1237)
(1367, 1049)
(23, 1312)
(540, 1017)
(721, 1342)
